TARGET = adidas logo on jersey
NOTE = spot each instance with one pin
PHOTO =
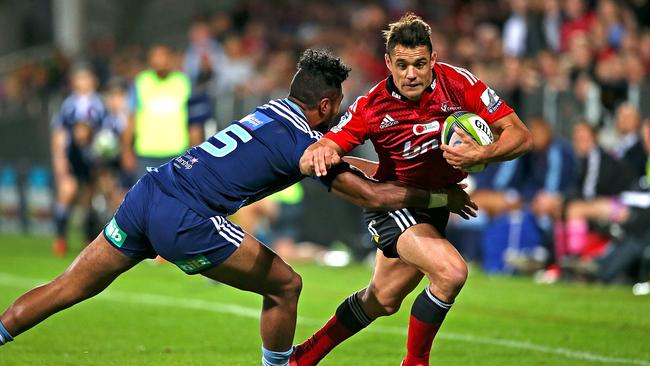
(388, 121)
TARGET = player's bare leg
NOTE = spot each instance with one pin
(90, 273)
(425, 249)
(67, 187)
(391, 282)
(254, 267)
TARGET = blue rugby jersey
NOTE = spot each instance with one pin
(80, 108)
(250, 159)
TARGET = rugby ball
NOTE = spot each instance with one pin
(472, 125)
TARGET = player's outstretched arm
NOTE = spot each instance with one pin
(319, 157)
(358, 189)
(513, 140)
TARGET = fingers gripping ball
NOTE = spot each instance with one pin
(474, 126)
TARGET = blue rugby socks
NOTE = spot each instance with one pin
(272, 358)
(5, 337)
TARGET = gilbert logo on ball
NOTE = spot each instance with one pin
(473, 125)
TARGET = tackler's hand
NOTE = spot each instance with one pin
(317, 159)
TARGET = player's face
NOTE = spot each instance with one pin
(583, 140)
(160, 59)
(412, 69)
(83, 82)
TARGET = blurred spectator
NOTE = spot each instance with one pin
(626, 216)
(579, 20)
(73, 129)
(204, 59)
(629, 144)
(599, 175)
(112, 181)
(158, 128)
(552, 21)
(515, 30)
(550, 173)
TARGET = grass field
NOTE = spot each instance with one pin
(156, 315)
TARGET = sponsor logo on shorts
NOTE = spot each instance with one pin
(114, 233)
(373, 231)
(194, 265)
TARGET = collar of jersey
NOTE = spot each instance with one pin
(394, 92)
(295, 107)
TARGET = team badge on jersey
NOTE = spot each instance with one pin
(491, 100)
(342, 122)
(431, 127)
(447, 108)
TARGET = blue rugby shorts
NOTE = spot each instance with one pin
(149, 222)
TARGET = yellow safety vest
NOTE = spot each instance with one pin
(161, 127)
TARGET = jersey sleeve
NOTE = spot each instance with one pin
(352, 129)
(478, 98)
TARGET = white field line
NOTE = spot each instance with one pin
(233, 309)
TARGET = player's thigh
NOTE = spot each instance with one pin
(97, 266)
(392, 280)
(254, 267)
(423, 247)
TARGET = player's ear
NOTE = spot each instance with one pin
(324, 106)
(387, 60)
(434, 57)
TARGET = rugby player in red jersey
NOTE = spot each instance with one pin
(403, 116)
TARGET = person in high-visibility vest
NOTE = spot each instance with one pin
(160, 125)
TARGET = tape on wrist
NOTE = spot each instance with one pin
(437, 200)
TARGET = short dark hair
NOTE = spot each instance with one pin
(409, 31)
(319, 75)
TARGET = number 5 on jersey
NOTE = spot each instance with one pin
(229, 143)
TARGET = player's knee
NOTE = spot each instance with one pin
(292, 287)
(453, 276)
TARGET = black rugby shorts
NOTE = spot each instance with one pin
(385, 227)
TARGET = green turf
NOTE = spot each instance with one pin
(156, 315)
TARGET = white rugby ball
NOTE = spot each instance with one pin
(474, 126)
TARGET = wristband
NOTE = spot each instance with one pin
(437, 200)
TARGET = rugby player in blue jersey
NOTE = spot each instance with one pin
(179, 210)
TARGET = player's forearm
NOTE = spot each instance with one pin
(392, 197)
(378, 196)
(514, 141)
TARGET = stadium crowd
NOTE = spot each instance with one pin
(576, 71)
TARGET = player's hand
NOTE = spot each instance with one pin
(460, 203)
(317, 159)
(464, 155)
